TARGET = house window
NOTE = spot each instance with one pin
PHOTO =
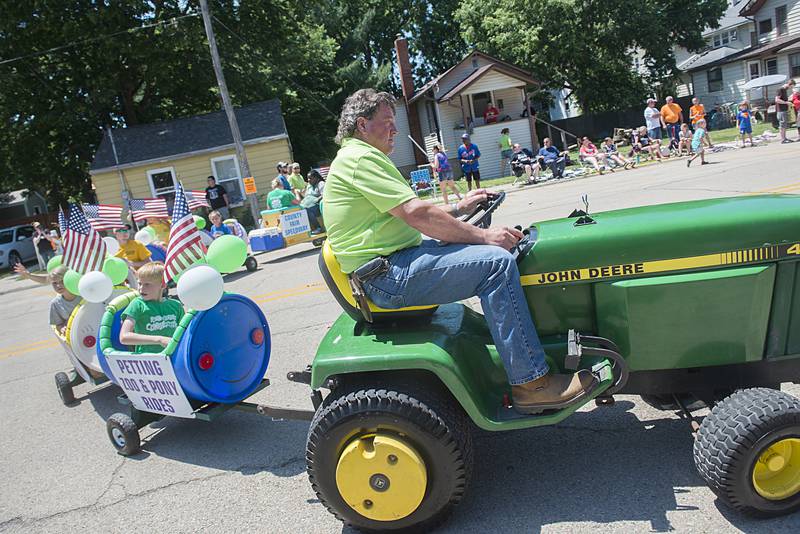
(724, 38)
(753, 70)
(162, 181)
(480, 101)
(226, 170)
(37, 210)
(780, 20)
(764, 26)
(770, 66)
(714, 80)
(794, 65)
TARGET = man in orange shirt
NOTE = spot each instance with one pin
(696, 112)
(671, 119)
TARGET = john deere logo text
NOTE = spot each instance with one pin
(592, 272)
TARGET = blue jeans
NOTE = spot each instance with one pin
(436, 274)
(672, 130)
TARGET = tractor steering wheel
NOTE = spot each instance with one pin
(484, 220)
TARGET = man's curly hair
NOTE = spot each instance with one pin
(362, 103)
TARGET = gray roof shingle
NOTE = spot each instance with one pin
(161, 140)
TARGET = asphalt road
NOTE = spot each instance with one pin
(626, 468)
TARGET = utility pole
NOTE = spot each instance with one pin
(226, 103)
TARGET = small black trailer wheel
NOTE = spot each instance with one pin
(250, 263)
(124, 434)
(318, 242)
(64, 389)
(748, 452)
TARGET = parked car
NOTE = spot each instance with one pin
(16, 245)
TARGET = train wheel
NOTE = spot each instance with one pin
(124, 434)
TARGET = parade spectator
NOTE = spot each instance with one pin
(56, 241)
(700, 137)
(281, 197)
(641, 142)
(506, 152)
(23, 272)
(62, 306)
(613, 154)
(283, 171)
(469, 154)
(441, 164)
(589, 153)
(296, 180)
(743, 120)
(685, 140)
(150, 320)
(554, 159)
(312, 199)
(795, 99)
(782, 105)
(130, 250)
(218, 227)
(671, 119)
(697, 111)
(43, 245)
(652, 118)
(522, 161)
(217, 197)
(491, 114)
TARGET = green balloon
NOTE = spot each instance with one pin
(199, 222)
(116, 269)
(71, 279)
(150, 230)
(54, 262)
(227, 253)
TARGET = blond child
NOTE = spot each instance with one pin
(64, 303)
(613, 154)
(744, 122)
(698, 140)
(685, 140)
(150, 319)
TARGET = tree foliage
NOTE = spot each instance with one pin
(586, 45)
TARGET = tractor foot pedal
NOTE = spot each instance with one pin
(604, 401)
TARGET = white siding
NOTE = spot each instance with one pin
(492, 81)
(767, 11)
(733, 78)
(457, 75)
(486, 137)
(452, 123)
(403, 153)
(512, 101)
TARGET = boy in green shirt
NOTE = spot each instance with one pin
(150, 319)
(281, 198)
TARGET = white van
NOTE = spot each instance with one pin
(16, 245)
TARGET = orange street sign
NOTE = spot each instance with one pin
(250, 186)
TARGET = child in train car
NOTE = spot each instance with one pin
(150, 319)
(62, 306)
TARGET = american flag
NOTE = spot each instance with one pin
(145, 208)
(323, 171)
(62, 221)
(103, 216)
(185, 247)
(84, 249)
(197, 199)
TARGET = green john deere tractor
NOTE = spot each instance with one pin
(687, 304)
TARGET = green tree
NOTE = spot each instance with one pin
(585, 45)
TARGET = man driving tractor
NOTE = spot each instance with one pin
(375, 224)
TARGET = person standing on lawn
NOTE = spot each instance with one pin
(697, 111)
(506, 150)
(217, 197)
(444, 171)
(782, 105)
(671, 119)
(743, 121)
(469, 154)
(652, 118)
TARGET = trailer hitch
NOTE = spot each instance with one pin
(579, 345)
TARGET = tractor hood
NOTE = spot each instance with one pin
(621, 240)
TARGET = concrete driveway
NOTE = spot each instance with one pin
(625, 468)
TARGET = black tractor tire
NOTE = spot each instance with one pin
(124, 434)
(250, 263)
(64, 389)
(732, 438)
(14, 258)
(437, 427)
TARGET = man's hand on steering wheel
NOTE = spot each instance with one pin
(504, 237)
(471, 200)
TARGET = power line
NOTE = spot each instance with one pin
(285, 78)
(60, 48)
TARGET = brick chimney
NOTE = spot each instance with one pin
(407, 83)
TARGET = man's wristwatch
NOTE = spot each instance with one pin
(456, 212)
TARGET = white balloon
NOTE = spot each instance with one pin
(144, 237)
(200, 287)
(112, 245)
(95, 286)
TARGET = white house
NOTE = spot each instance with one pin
(755, 38)
(454, 103)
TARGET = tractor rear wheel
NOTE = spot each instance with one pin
(748, 452)
(384, 460)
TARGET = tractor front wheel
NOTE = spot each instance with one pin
(748, 452)
(383, 460)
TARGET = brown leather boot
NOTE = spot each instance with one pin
(553, 391)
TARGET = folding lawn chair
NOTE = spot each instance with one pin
(421, 180)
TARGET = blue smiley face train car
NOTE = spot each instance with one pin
(215, 360)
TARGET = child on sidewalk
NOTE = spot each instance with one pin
(150, 319)
(700, 137)
(744, 122)
(685, 140)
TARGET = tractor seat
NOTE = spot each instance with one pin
(339, 285)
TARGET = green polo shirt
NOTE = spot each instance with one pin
(297, 182)
(362, 186)
(505, 142)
